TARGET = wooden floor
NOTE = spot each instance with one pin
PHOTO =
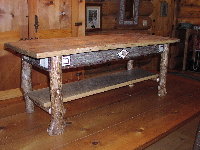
(181, 139)
(121, 119)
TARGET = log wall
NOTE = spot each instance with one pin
(189, 11)
(110, 13)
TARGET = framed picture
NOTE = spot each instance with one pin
(93, 17)
(163, 9)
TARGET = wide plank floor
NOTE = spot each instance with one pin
(125, 118)
(181, 139)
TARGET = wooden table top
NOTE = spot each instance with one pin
(42, 48)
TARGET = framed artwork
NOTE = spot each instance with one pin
(128, 12)
(163, 9)
(93, 17)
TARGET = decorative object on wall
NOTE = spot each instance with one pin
(163, 9)
(93, 17)
(129, 12)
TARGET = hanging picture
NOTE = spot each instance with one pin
(163, 9)
(93, 17)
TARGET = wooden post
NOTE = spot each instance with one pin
(57, 109)
(26, 84)
(163, 71)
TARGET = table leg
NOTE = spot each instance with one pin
(163, 71)
(57, 109)
(130, 67)
(26, 84)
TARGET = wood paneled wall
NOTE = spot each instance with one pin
(13, 26)
(17, 18)
(162, 25)
(110, 10)
(189, 11)
(110, 13)
(146, 8)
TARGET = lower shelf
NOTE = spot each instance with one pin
(87, 87)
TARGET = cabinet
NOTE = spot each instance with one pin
(26, 20)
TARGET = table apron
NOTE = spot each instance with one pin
(98, 57)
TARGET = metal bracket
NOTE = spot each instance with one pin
(78, 23)
(36, 25)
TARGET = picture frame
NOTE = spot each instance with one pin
(124, 10)
(93, 17)
(163, 9)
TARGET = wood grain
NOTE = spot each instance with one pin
(140, 25)
(52, 24)
(54, 33)
(13, 15)
(189, 12)
(134, 118)
(190, 2)
(93, 86)
(26, 84)
(146, 8)
(57, 125)
(8, 36)
(8, 94)
(43, 48)
(13, 27)
(189, 20)
(78, 15)
(10, 72)
(162, 25)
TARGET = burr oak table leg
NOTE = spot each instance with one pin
(130, 67)
(26, 84)
(57, 109)
(163, 71)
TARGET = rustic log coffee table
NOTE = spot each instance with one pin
(53, 55)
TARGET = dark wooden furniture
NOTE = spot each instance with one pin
(53, 55)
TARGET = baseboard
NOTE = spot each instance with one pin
(8, 94)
